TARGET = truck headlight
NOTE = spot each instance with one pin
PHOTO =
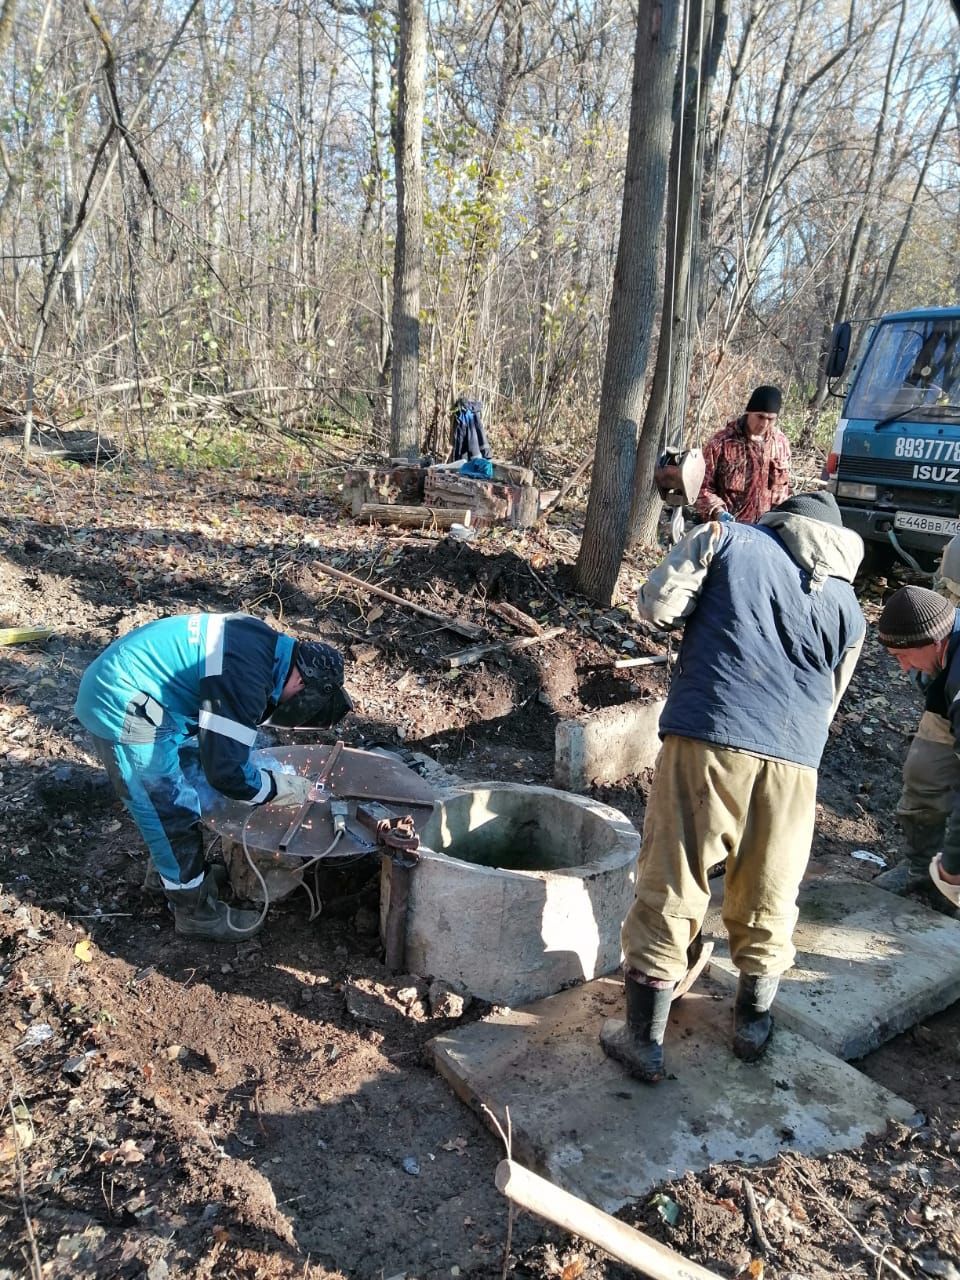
(865, 492)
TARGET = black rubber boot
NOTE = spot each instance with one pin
(904, 877)
(912, 873)
(637, 1044)
(752, 1022)
(199, 913)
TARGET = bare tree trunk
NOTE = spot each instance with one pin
(89, 201)
(408, 257)
(633, 302)
(852, 267)
(703, 42)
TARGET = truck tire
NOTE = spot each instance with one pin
(878, 560)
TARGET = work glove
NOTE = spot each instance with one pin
(950, 891)
(725, 517)
(291, 788)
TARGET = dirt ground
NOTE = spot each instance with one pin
(173, 1109)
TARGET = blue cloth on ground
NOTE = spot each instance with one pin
(478, 469)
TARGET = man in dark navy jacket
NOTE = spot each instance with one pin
(772, 632)
(201, 681)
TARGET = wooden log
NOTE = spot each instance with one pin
(468, 629)
(516, 617)
(483, 497)
(647, 1255)
(400, 484)
(490, 502)
(413, 517)
(466, 656)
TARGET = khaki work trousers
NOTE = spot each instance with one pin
(708, 805)
(931, 775)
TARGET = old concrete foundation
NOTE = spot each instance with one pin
(607, 745)
(519, 891)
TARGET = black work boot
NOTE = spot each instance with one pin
(637, 1044)
(199, 913)
(924, 839)
(752, 1022)
(904, 877)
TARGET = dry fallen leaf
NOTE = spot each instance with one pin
(127, 1153)
(17, 1136)
(752, 1272)
(459, 1145)
(83, 950)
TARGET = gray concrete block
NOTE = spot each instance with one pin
(519, 891)
(581, 1121)
(869, 965)
(607, 745)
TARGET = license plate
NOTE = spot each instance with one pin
(926, 524)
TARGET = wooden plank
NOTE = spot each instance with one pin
(646, 1255)
(466, 656)
(468, 629)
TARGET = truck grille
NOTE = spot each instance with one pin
(873, 469)
(924, 496)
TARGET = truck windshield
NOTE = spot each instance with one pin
(912, 366)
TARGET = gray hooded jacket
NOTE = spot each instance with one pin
(772, 632)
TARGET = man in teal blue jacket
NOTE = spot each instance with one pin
(201, 681)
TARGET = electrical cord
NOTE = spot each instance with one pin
(312, 860)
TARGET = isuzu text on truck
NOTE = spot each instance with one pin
(895, 462)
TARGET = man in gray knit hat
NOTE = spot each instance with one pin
(922, 631)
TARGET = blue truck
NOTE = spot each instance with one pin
(894, 466)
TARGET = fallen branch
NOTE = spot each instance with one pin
(468, 629)
(516, 617)
(36, 1270)
(506, 1137)
(634, 1248)
(753, 1213)
(882, 1261)
(466, 656)
(646, 660)
(565, 489)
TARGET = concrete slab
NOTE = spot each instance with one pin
(579, 1120)
(606, 745)
(869, 965)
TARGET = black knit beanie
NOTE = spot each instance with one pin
(765, 400)
(914, 617)
(815, 506)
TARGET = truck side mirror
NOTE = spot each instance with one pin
(839, 351)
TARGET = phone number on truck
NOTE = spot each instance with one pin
(929, 450)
